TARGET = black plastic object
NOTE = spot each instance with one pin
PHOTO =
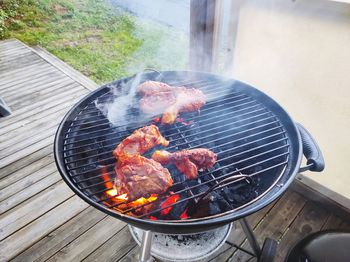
(322, 246)
(268, 251)
(4, 108)
(311, 150)
(275, 188)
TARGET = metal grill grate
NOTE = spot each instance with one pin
(247, 137)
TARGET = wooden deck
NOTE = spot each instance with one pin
(41, 218)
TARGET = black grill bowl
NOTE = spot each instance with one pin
(249, 131)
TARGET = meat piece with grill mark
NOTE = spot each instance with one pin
(138, 176)
(161, 98)
(152, 87)
(187, 100)
(157, 103)
(187, 161)
(140, 141)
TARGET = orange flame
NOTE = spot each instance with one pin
(108, 183)
(142, 200)
(170, 200)
(113, 192)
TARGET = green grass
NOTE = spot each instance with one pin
(102, 42)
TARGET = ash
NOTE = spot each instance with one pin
(191, 247)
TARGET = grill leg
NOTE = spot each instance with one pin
(251, 237)
(145, 254)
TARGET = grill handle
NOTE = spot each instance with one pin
(311, 151)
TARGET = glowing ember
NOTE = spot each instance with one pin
(106, 178)
(170, 200)
(184, 215)
(113, 192)
(108, 183)
(142, 200)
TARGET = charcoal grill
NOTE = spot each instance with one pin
(259, 150)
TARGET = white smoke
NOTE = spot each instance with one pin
(116, 109)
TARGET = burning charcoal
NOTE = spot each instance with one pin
(178, 209)
(197, 210)
(218, 198)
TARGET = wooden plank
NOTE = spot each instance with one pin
(32, 158)
(275, 223)
(345, 226)
(310, 220)
(24, 182)
(40, 124)
(18, 80)
(32, 84)
(132, 255)
(41, 86)
(35, 116)
(64, 86)
(62, 236)
(65, 68)
(28, 192)
(10, 44)
(336, 203)
(21, 63)
(26, 151)
(41, 106)
(198, 20)
(9, 178)
(33, 208)
(27, 236)
(21, 76)
(88, 242)
(333, 222)
(237, 235)
(11, 57)
(33, 138)
(217, 35)
(11, 54)
(113, 249)
(18, 71)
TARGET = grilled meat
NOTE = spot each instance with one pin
(162, 98)
(187, 100)
(140, 141)
(138, 176)
(152, 87)
(157, 103)
(187, 161)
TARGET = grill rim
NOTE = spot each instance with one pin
(206, 223)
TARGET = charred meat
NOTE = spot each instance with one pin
(140, 141)
(187, 161)
(138, 176)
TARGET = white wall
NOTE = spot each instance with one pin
(298, 52)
